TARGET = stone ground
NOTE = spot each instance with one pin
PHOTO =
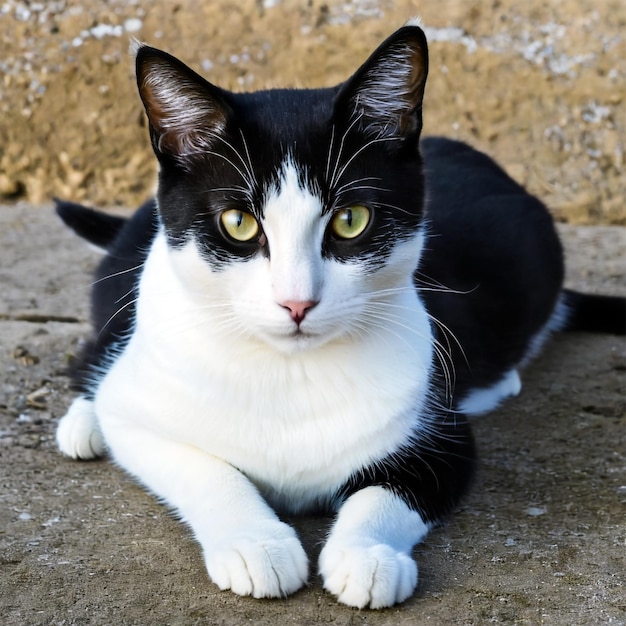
(540, 85)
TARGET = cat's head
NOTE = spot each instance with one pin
(299, 210)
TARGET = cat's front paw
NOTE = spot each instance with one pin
(263, 563)
(374, 576)
(78, 434)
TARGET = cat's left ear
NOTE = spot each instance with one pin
(186, 113)
(385, 95)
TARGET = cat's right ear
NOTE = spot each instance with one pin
(186, 113)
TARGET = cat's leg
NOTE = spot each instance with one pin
(367, 558)
(78, 434)
(246, 547)
(390, 506)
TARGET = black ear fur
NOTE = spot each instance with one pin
(186, 112)
(386, 92)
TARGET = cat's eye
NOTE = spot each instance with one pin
(350, 222)
(239, 225)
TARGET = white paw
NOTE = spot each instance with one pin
(267, 562)
(78, 434)
(374, 576)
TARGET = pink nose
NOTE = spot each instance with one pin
(298, 309)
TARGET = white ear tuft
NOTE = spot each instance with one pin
(134, 45)
(185, 112)
(386, 92)
(415, 21)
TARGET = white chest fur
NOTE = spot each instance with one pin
(297, 424)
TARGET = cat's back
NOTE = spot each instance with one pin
(484, 227)
(493, 256)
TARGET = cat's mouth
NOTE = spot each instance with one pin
(296, 340)
(301, 335)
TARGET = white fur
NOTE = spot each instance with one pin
(78, 434)
(393, 88)
(416, 20)
(184, 116)
(218, 400)
(246, 547)
(294, 231)
(387, 95)
(480, 401)
(557, 322)
(367, 558)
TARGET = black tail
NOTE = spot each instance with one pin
(96, 227)
(595, 314)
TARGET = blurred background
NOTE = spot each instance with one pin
(540, 85)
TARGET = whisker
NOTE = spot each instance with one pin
(334, 177)
(396, 208)
(250, 179)
(243, 190)
(353, 185)
(435, 285)
(446, 331)
(120, 273)
(330, 152)
(337, 178)
(443, 355)
(237, 169)
(119, 310)
(250, 166)
(128, 293)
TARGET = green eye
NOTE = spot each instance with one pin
(241, 226)
(351, 222)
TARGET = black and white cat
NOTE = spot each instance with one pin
(304, 317)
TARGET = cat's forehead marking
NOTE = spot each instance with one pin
(291, 199)
(294, 225)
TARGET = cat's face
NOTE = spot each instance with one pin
(296, 213)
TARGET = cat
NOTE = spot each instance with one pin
(306, 315)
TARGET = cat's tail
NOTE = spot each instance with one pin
(98, 228)
(594, 314)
